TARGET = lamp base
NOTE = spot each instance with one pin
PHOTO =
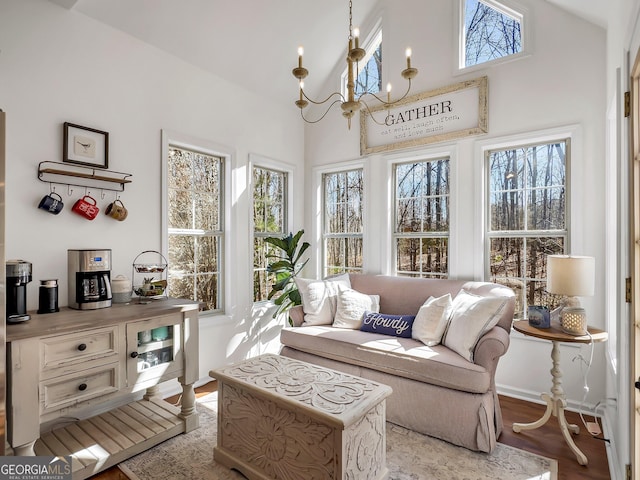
(574, 321)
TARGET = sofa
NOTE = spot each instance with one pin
(436, 391)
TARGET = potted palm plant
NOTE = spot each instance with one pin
(286, 266)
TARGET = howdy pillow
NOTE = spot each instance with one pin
(395, 325)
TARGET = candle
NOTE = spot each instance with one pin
(408, 53)
(356, 35)
(300, 52)
(388, 93)
(301, 88)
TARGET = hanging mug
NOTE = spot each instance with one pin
(51, 204)
(87, 207)
(116, 210)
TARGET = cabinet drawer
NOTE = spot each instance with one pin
(79, 348)
(70, 390)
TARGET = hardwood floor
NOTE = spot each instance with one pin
(546, 441)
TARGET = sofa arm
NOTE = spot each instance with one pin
(296, 315)
(491, 346)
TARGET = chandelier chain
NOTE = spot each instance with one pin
(350, 20)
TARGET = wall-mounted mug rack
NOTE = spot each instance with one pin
(79, 176)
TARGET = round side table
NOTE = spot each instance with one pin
(556, 401)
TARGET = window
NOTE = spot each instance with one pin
(195, 225)
(369, 75)
(491, 31)
(343, 201)
(421, 234)
(269, 220)
(527, 217)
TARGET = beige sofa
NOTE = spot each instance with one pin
(435, 390)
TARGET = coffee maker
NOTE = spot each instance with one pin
(18, 275)
(89, 273)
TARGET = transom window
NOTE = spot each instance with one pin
(195, 233)
(527, 217)
(491, 31)
(343, 199)
(369, 75)
(269, 220)
(422, 218)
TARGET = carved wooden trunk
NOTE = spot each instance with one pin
(283, 419)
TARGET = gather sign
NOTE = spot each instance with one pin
(449, 112)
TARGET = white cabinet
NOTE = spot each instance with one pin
(93, 365)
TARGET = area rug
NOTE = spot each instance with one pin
(410, 456)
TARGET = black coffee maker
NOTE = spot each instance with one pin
(18, 276)
(89, 279)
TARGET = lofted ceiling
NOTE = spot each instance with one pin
(253, 43)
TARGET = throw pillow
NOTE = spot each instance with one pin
(319, 298)
(395, 325)
(432, 320)
(472, 317)
(351, 307)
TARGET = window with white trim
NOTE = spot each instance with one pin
(195, 225)
(421, 234)
(269, 220)
(343, 200)
(527, 217)
(490, 31)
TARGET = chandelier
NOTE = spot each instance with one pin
(351, 104)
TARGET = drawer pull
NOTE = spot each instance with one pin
(133, 354)
(82, 387)
(82, 347)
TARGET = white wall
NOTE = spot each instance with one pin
(57, 65)
(560, 85)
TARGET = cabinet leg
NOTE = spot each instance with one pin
(152, 392)
(25, 450)
(188, 412)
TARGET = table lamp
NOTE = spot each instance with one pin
(571, 276)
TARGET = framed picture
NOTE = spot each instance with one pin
(85, 146)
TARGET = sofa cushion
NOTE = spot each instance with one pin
(432, 320)
(394, 325)
(404, 357)
(351, 306)
(472, 317)
(319, 298)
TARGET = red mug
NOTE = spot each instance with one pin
(87, 207)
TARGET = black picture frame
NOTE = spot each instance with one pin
(85, 146)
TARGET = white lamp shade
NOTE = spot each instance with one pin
(570, 275)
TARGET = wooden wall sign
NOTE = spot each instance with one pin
(442, 114)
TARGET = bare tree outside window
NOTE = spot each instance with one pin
(195, 226)
(422, 218)
(343, 194)
(269, 219)
(527, 218)
(369, 79)
(489, 33)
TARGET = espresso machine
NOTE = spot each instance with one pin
(18, 275)
(89, 274)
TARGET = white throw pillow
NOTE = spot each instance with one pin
(319, 298)
(351, 307)
(432, 320)
(472, 317)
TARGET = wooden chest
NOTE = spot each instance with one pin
(280, 418)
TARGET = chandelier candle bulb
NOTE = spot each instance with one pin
(356, 36)
(408, 53)
(300, 53)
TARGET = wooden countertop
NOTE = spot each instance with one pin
(69, 320)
